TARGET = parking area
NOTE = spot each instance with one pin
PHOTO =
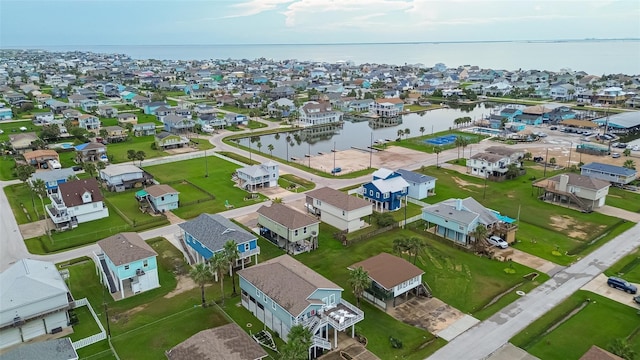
(599, 286)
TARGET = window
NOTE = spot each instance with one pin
(266, 298)
(377, 194)
(332, 299)
(126, 267)
(246, 247)
(295, 232)
(145, 263)
(304, 230)
(318, 202)
(162, 198)
(258, 293)
(371, 192)
(273, 305)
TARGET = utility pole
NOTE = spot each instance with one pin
(370, 150)
(206, 165)
(569, 161)
(546, 159)
(334, 158)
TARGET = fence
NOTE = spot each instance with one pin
(209, 197)
(93, 338)
(374, 300)
(133, 223)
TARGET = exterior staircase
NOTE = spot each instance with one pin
(107, 273)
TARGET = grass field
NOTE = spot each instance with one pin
(599, 323)
(286, 181)
(218, 183)
(623, 199)
(418, 143)
(628, 267)
(7, 167)
(25, 207)
(552, 232)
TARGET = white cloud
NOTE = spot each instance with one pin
(302, 9)
(255, 7)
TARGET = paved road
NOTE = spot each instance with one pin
(488, 336)
(12, 246)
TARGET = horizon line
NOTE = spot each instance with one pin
(339, 43)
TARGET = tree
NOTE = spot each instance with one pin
(458, 143)
(400, 133)
(233, 254)
(552, 161)
(270, 148)
(90, 168)
(479, 237)
(39, 188)
(407, 131)
(50, 132)
(259, 146)
(288, 139)
(219, 264)
(528, 155)
(421, 130)
(131, 155)
(298, 344)
(512, 171)
(24, 172)
(626, 152)
(464, 142)
(437, 150)
(140, 155)
(129, 127)
(622, 348)
(415, 245)
(103, 133)
(201, 275)
(629, 164)
(359, 281)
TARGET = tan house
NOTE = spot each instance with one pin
(115, 133)
(127, 118)
(21, 143)
(39, 157)
(290, 229)
(585, 192)
(338, 209)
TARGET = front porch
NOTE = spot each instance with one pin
(293, 248)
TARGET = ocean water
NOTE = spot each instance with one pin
(592, 56)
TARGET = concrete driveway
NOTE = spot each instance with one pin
(529, 260)
(619, 213)
(599, 286)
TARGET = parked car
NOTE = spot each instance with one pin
(498, 241)
(615, 155)
(637, 299)
(553, 128)
(538, 159)
(336, 170)
(620, 284)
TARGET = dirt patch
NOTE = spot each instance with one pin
(463, 183)
(574, 229)
(430, 314)
(124, 317)
(185, 283)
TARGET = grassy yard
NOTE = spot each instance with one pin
(7, 167)
(599, 323)
(552, 232)
(86, 325)
(25, 207)
(623, 199)
(628, 267)
(14, 128)
(118, 151)
(218, 183)
(418, 143)
(127, 203)
(288, 180)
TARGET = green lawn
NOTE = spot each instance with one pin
(287, 181)
(543, 228)
(14, 127)
(599, 323)
(623, 199)
(7, 167)
(218, 183)
(628, 267)
(127, 203)
(86, 325)
(25, 207)
(118, 151)
(418, 142)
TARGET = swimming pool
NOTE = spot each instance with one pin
(65, 146)
(486, 131)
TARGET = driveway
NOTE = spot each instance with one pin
(431, 314)
(619, 213)
(529, 260)
(599, 286)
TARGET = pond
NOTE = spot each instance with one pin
(360, 134)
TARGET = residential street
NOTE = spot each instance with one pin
(489, 335)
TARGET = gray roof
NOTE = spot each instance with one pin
(254, 170)
(503, 150)
(56, 349)
(121, 169)
(488, 157)
(287, 281)
(463, 210)
(286, 216)
(228, 342)
(53, 175)
(611, 169)
(582, 181)
(623, 120)
(214, 230)
(125, 248)
(338, 199)
(414, 177)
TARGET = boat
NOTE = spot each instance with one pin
(320, 153)
(294, 158)
(307, 155)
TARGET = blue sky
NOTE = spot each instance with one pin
(142, 22)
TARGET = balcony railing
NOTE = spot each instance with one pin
(345, 321)
(246, 254)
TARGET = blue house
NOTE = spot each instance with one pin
(176, 124)
(127, 265)
(53, 178)
(207, 234)
(386, 190)
(149, 108)
(6, 113)
(283, 292)
(88, 105)
(510, 113)
(189, 88)
(457, 219)
(233, 119)
(529, 119)
(420, 185)
(162, 197)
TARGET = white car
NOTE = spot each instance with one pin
(498, 241)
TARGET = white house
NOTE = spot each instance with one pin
(586, 192)
(258, 176)
(123, 176)
(76, 202)
(338, 209)
(34, 301)
(315, 113)
(420, 185)
(494, 161)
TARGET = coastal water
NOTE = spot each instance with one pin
(592, 56)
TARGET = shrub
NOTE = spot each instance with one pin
(395, 343)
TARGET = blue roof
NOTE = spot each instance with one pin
(611, 169)
(81, 146)
(414, 176)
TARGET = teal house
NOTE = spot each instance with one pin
(283, 292)
(127, 265)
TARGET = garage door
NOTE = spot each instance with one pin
(33, 329)
(10, 336)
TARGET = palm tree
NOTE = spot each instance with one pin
(259, 145)
(437, 150)
(131, 155)
(359, 281)
(479, 235)
(464, 142)
(219, 264)
(140, 155)
(626, 152)
(421, 130)
(400, 246)
(233, 254)
(201, 274)
(288, 139)
(415, 246)
(629, 164)
(270, 148)
(39, 188)
(407, 131)
(298, 344)
(400, 133)
(552, 161)
(458, 143)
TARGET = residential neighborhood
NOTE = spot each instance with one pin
(252, 209)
